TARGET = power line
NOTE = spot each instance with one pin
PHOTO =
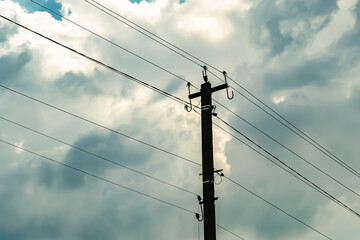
(319, 147)
(116, 71)
(111, 42)
(291, 171)
(288, 149)
(232, 233)
(99, 125)
(97, 177)
(327, 152)
(312, 142)
(114, 14)
(151, 33)
(194, 86)
(98, 156)
(278, 208)
(316, 145)
(166, 94)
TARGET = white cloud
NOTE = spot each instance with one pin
(279, 99)
(20, 145)
(289, 54)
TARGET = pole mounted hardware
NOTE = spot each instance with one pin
(204, 74)
(227, 89)
(189, 109)
(207, 111)
(197, 215)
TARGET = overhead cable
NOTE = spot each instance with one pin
(114, 15)
(314, 143)
(99, 125)
(147, 33)
(278, 208)
(103, 64)
(290, 150)
(232, 233)
(97, 177)
(291, 171)
(97, 156)
(113, 69)
(195, 87)
(111, 42)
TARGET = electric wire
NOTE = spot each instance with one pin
(278, 208)
(320, 148)
(98, 177)
(181, 101)
(154, 35)
(293, 171)
(62, 45)
(316, 145)
(311, 142)
(276, 163)
(232, 233)
(332, 156)
(166, 94)
(114, 14)
(97, 156)
(116, 71)
(101, 126)
(195, 87)
(288, 149)
(324, 193)
(111, 42)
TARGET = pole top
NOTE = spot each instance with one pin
(205, 75)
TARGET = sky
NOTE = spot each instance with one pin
(301, 58)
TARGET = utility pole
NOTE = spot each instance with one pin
(208, 170)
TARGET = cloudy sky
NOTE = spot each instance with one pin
(301, 58)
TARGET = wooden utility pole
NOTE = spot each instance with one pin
(208, 170)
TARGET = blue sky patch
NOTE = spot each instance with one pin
(33, 7)
(138, 1)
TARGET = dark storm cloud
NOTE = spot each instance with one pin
(355, 97)
(77, 84)
(12, 64)
(267, 16)
(13, 207)
(6, 31)
(46, 228)
(111, 146)
(357, 13)
(311, 72)
(350, 41)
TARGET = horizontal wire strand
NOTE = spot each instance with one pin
(278, 208)
(293, 172)
(117, 71)
(338, 160)
(102, 64)
(289, 150)
(97, 156)
(232, 233)
(319, 146)
(99, 125)
(97, 177)
(114, 14)
(111, 42)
